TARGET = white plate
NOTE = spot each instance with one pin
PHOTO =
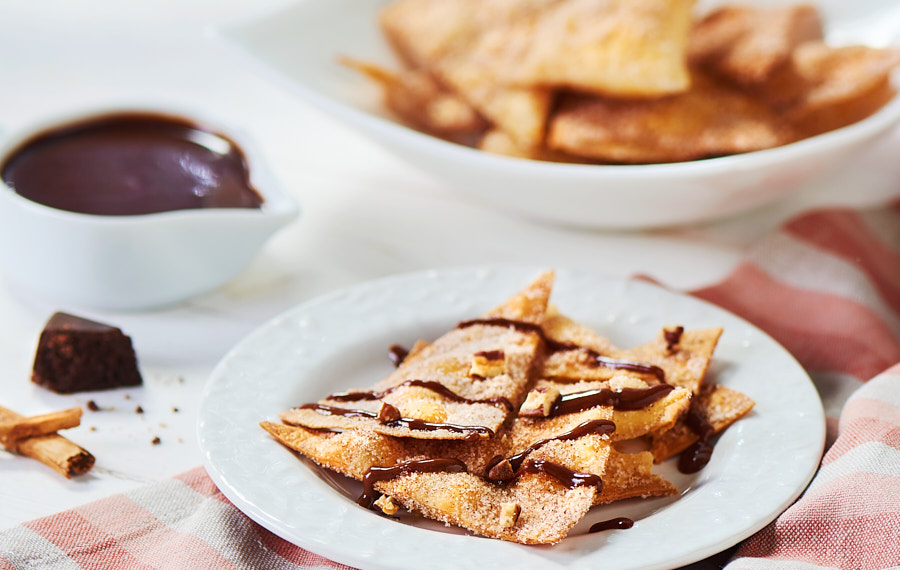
(341, 340)
(299, 46)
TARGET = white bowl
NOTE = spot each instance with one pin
(131, 262)
(300, 44)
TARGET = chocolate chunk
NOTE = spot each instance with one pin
(75, 354)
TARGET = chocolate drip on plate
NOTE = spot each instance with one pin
(612, 524)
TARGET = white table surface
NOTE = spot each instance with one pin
(365, 215)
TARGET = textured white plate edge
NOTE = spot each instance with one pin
(810, 452)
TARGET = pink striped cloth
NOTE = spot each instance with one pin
(826, 285)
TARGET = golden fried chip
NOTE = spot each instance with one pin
(436, 36)
(350, 453)
(499, 142)
(844, 85)
(684, 355)
(620, 48)
(718, 406)
(659, 408)
(418, 99)
(547, 509)
(677, 356)
(434, 395)
(521, 112)
(629, 475)
(712, 119)
(749, 44)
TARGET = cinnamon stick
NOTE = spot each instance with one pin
(44, 424)
(51, 449)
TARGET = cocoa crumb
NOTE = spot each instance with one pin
(92, 406)
(156, 440)
(139, 410)
(174, 410)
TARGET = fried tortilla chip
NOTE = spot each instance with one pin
(504, 56)
(501, 143)
(844, 85)
(418, 100)
(620, 48)
(749, 44)
(677, 356)
(684, 355)
(350, 453)
(463, 385)
(712, 119)
(718, 406)
(544, 509)
(629, 475)
(521, 112)
(436, 36)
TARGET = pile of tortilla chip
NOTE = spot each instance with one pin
(622, 81)
(515, 423)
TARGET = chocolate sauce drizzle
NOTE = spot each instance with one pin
(491, 354)
(590, 427)
(397, 354)
(432, 385)
(627, 399)
(612, 524)
(695, 457)
(521, 326)
(376, 474)
(564, 475)
(595, 358)
(471, 432)
(673, 337)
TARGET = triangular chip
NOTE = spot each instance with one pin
(750, 44)
(842, 85)
(683, 355)
(712, 119)
(463, 385)
(496, 141)
(715, 406)
(420, 101)
(619, 48)
(629, 475)
(435, 36)
(542, 509)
